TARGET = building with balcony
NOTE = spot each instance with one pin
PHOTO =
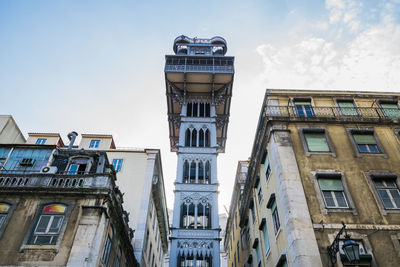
(54, 213)
(199, 80)
(321, 158)
(235, 242)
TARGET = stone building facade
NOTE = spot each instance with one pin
(199, 80)
(321, 158)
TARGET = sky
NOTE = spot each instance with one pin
(97, 66)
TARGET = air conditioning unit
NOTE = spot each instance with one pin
(49, 169)
(27, 162)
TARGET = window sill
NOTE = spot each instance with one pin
(309, 153)
(363, 154)
(277, 233)
(54, 248)
(331, 210)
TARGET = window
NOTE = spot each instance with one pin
(390, 109)
(238, 252)
(256, 246)
(79, 166)
(259, 191)
(347, 108)
(267, 166)
(303, 107)
(200, 138)
(316, 141)
(107, 247)
(146, 240)
(4, 211)
(365, 142)
(198, 110)
(196, 216)
(388, 191)
(333, 192)
(275, 215)
(48, 226)
(264, 229)
(94, 143)
(196, 172)
(117, 164)
(41, 141)
(252, 211)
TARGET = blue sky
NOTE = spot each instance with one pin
(97, 66)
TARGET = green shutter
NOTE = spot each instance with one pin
(330, 184)
(391, 110)
(316, 142)
(347, 108)
(364, 139)
(302, 103)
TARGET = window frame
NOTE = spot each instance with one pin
(41, 141)
(388, 101)
(303, 99)
(94, 143)
(335, 175)
(356, 108)
(352, 131)
(70, 206)
(13, 205)
(272, 205)
(304, 130)
(374, 175)
(119, 163)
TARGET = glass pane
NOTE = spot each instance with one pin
(300, 111)
(391, 110)
(390, 183)
(316, 142)
(328, 199)
(56, 224)
(42, 240)
(362, 148)
(73, 169)
(379, 183)
(309, 111)
(396, 197)
(387, 203)
(4, 207)
(330, 184)
(42, 224)
(2, 219)
(341, 200)
(347, 108)
(373, 148)
(364, 139)
(56, 208)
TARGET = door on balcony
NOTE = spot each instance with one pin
(303, 108)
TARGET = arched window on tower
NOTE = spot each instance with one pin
(187, 137)
(187, 215)
(186, 172)
(207, 138)
(194, 138)
(201, 138)
(194, 109)
(201, 172)
(207, 173)
(203, 215)
(192, 178)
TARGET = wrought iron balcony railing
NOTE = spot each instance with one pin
(187, 64)
(332, 113)
(56, 181)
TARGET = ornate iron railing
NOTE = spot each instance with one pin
(35, 180)
(334, 113)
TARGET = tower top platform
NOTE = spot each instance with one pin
(199, 72)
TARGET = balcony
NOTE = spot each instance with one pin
(308, 113)
(29, 181)
(202, 65)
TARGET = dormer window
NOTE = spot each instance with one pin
(41, 141)
(94, 143)
(79, 166)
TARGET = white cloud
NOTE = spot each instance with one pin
(370, 60)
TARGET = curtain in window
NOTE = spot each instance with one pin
(364, 139)
(330, 184)
(391, 110)
(347, 108)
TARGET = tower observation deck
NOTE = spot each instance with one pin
(199, 80)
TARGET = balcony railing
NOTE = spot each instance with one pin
(330, 113)
(59, 181)
(183, 64)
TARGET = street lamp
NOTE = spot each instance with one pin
(350, 247)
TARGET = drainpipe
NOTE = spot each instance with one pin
(72, 136)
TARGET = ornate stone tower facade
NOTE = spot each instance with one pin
(199, 80)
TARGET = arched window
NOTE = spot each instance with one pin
(194, 138)
(201, 138)
(189, 110)
(195, 110)
(192, 178)
(48, 225)
(201, 172)
(207, 173)
(4, 211)
(207, 110)
(207, 138)
(187, 215)
(186, 172)
(187, 137)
